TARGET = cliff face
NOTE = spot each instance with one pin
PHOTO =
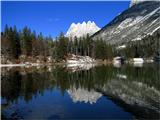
(135, 23)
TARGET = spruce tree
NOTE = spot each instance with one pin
(27, 41)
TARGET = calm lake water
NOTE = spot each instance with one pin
(56, 92)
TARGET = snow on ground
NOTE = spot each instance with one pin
(121, 47)
(138, 60)
(80, 62)
(27, 64)
(76, 59)
(11, 65)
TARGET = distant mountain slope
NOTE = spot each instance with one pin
(133, 24)
(83, 29)
(133, 2)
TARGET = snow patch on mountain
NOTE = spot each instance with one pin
(82, 29)
(132, 24)
(155, 30)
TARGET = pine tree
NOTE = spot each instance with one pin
(16, 44)
(61, 47)
(41, 48)
(27, 41)
(6, 43)
(35, 50)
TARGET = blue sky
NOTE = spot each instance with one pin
(51, 18)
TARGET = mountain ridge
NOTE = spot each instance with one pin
(82, 29)
(136, 22)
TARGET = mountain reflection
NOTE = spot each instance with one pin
(82, 95)
(136, 87)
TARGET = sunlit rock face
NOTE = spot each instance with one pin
(82, 95)
(135, 23)
(82, 29)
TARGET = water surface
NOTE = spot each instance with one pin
(56, 92)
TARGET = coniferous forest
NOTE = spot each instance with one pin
(27, 44)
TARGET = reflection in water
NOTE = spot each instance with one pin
(121, 76)
(134, 89)
(138, 64)
(117, 64)
(81, 66)
(82, 95)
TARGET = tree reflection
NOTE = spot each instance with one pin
(33, 83)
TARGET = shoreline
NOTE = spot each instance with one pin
(65, 63)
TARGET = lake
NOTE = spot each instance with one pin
(90, 92)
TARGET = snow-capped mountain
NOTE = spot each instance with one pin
(133, 24)
(82, 29)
